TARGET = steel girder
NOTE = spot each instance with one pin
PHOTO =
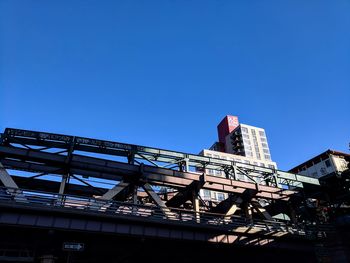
(139, 167)
(152, 155)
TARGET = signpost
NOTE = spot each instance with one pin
(72, 246)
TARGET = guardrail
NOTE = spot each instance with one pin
(39, 199)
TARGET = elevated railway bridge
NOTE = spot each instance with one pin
(60, 188)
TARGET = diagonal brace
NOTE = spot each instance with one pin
(161, 204)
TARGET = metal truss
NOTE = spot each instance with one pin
(150, 213)
(141, 175)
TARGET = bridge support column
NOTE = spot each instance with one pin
(187, 165)
(63, 184)
(293, 216)
(195, 202)
(248, 212)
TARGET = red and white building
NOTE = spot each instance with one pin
(246, 141)
(239, 143)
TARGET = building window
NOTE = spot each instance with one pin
(249, 153)
(271, 166)
(247, 142)
(262, 165)
(267, 157)
(206, 194)
(244, 130)
(220, 196)
(253, 132)
(258, 156)
(263, 139)
(255, 143)
(217, 172)
(262, 134)
(210, 171)
(246, 136)
(264, 145)
(328, 163)
(266, 151)
(343, 164)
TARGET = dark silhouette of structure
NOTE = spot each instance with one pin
(125, 201)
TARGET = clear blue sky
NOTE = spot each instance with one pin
(164, 73)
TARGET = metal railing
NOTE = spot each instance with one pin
(45, 200)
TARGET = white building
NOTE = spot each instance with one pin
(248, 141)
(327, 163)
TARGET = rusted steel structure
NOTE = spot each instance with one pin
(40, 170)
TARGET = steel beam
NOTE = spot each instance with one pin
(63, 183)
(185, 194)
(48, 153)
(106, 169)
(228, 206)
(160, 203)
(152, 154)
(10, 184)
(6, 179)
(261, 210)
(110, 194)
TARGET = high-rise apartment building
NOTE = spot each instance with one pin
(248, 141)
(242, 139)
(238, 143)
